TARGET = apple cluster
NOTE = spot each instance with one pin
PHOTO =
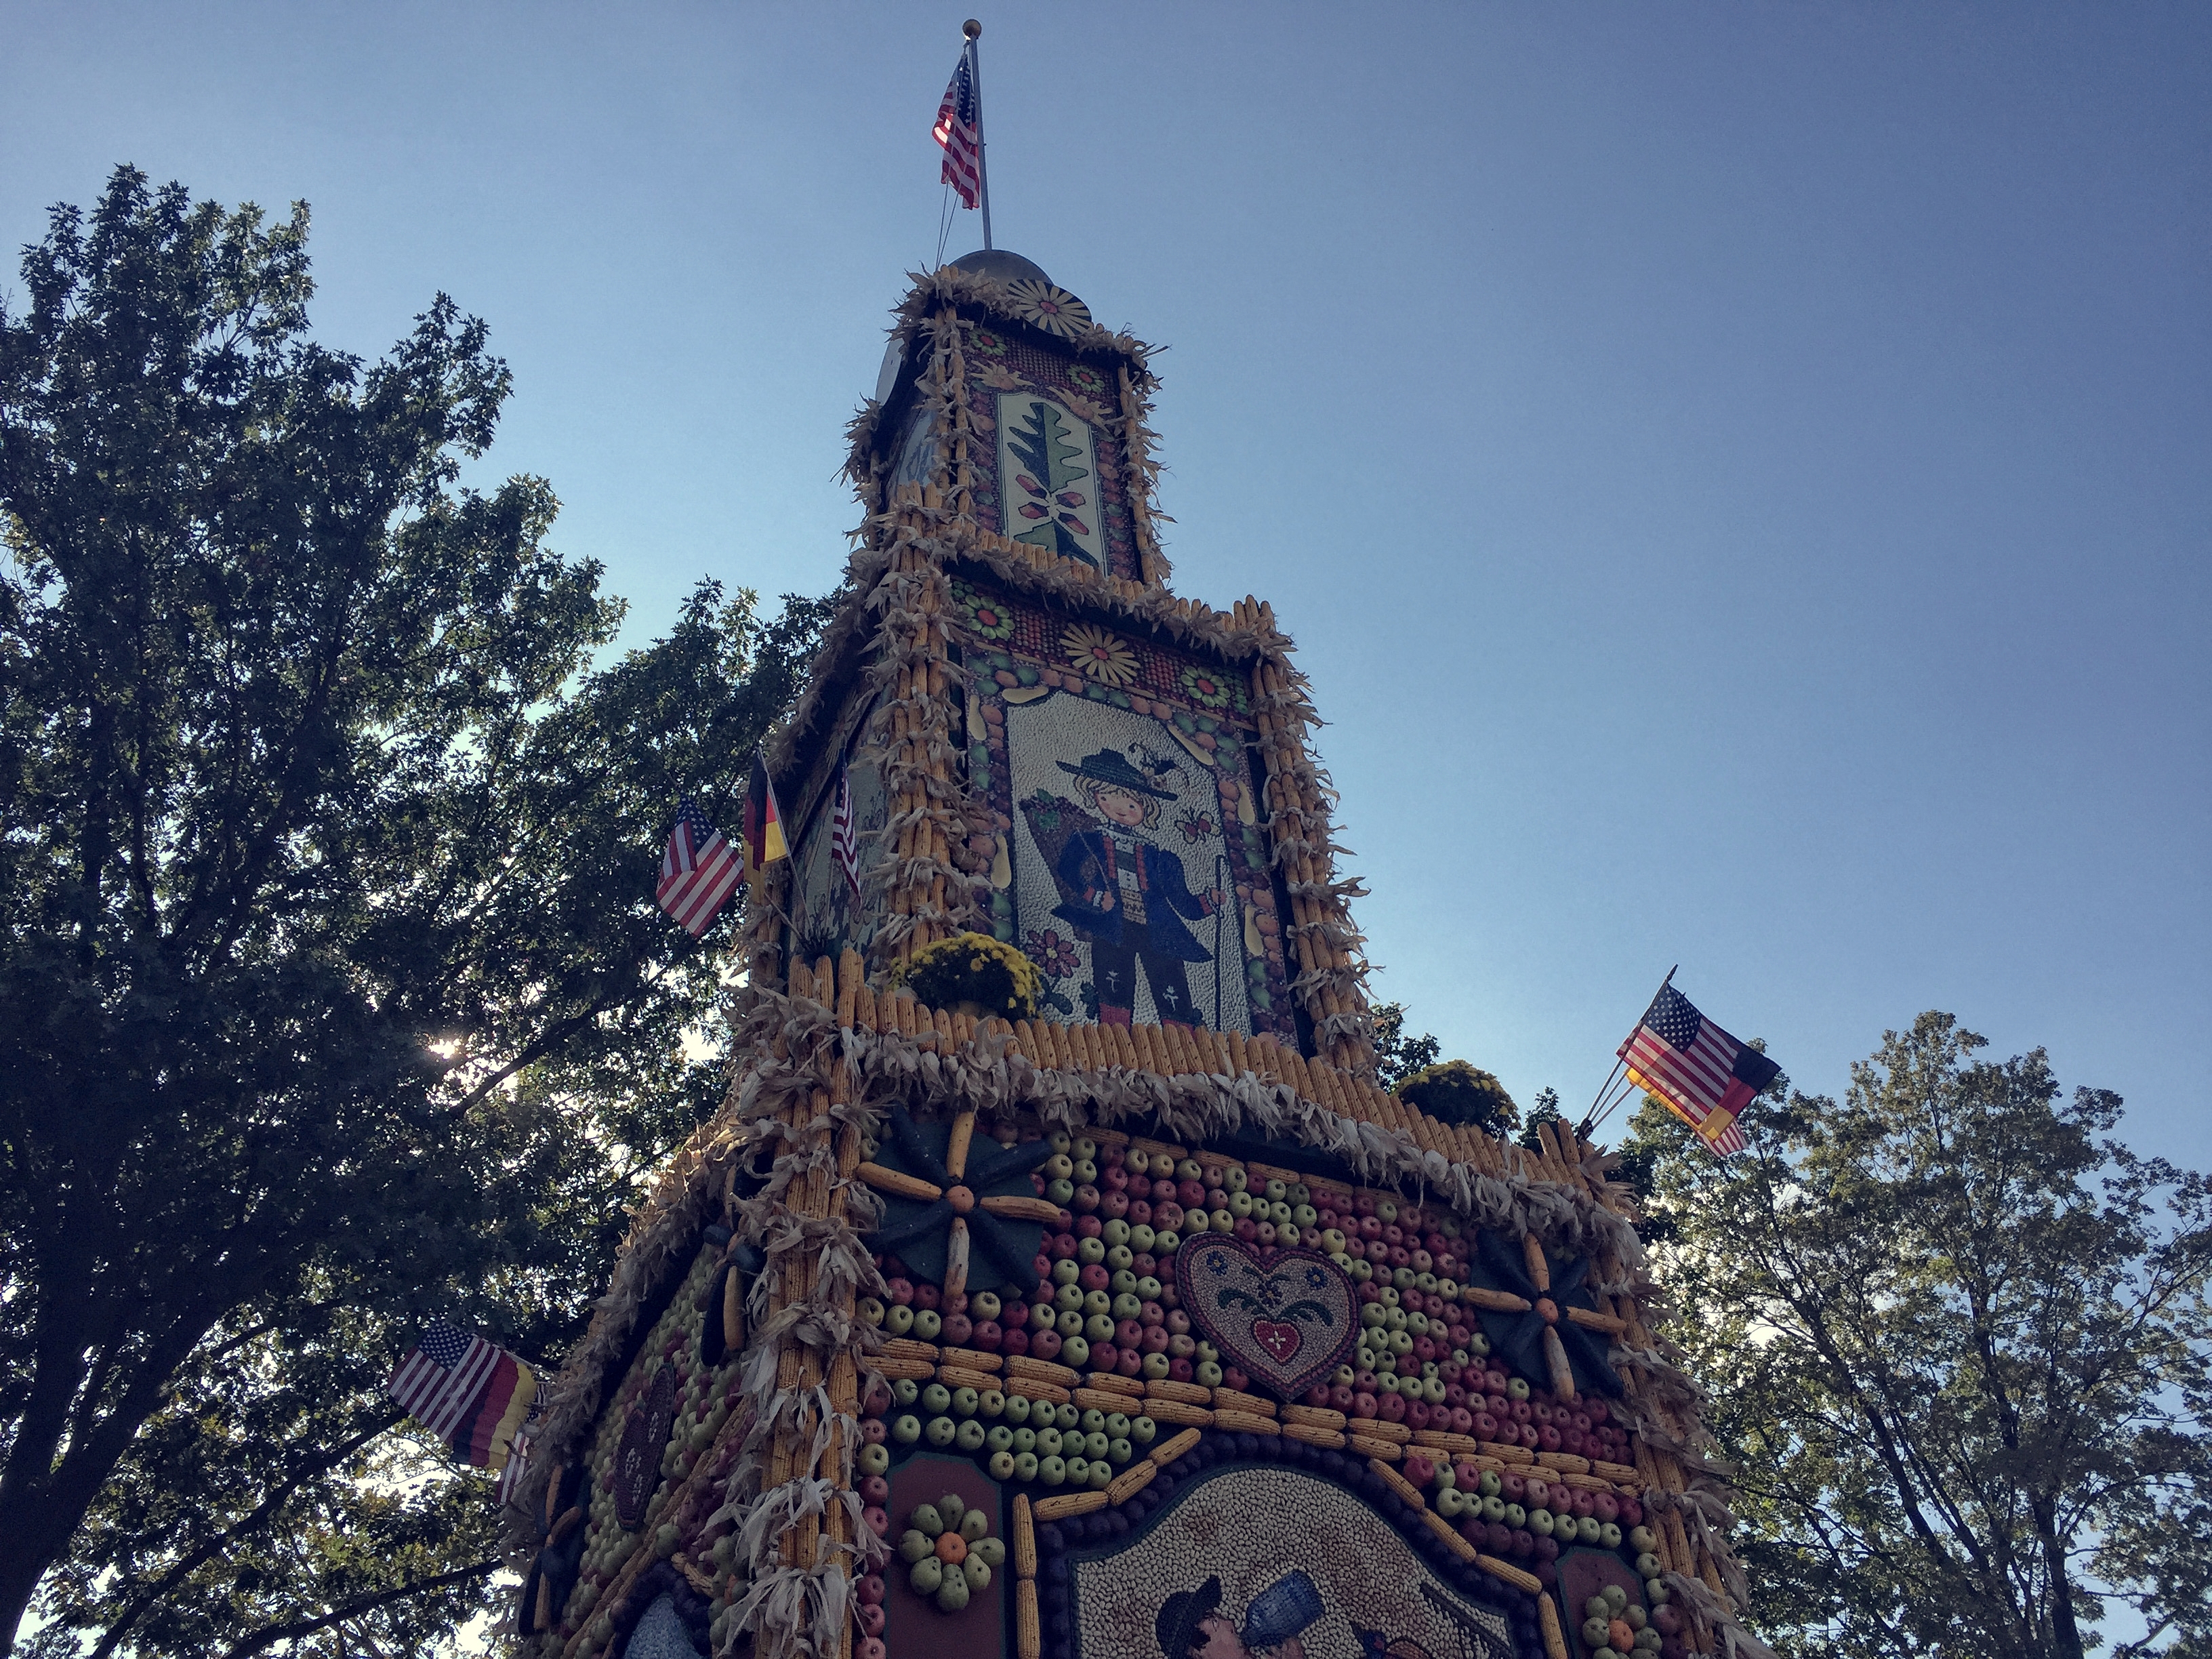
(948, 1554)
(1023, 1441)
(1614, 1627)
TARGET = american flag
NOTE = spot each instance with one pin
(698, 873)
(844, 844)
(469, 1393)
(517, 1464)
(1705, 1074)
(958, 133)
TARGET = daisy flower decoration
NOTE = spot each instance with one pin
(1055, 310)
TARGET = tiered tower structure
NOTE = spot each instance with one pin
(1141, 1323)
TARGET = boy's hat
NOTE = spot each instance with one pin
(1110, 765)
(1182, 1613)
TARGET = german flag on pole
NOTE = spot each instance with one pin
(764, 841)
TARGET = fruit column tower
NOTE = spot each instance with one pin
(1054, 1282)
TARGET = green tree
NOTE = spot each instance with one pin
(1397, 1056)
(331, 989)
(1955, 1339)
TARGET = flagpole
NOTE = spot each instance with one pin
(1590, 1118)
(974, 31)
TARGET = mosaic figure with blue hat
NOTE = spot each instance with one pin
(1129, 896)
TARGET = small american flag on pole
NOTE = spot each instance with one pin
(698, 873)
(1702, 1072)
(844, 843)
(960, 136)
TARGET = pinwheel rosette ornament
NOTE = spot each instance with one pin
(966, 1215)
(1528, 1304)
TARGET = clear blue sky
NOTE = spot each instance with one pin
(1738, 476)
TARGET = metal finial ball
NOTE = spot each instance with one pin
(971, 28)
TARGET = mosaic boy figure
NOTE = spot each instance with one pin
(1190, 1627)
(1131, 896)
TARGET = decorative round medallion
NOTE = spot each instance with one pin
(1051, 309)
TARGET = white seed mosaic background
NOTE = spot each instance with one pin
(1250, 1527)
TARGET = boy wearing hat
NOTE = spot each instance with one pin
(1131, 897)
(1190, 1627)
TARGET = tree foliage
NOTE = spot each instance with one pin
(1397, 1056)
(1955, 1335)
(331, 989)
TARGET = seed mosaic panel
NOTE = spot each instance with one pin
(829, 908)
(1247, 1560)
(1051, 471)
(1129, 863)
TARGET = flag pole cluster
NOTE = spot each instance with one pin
(469, 1393)
(1705, 1076)
(700, 869)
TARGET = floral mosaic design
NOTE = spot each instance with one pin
(1097, 654)
(1066, 714)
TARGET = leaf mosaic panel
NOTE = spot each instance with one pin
(1070, 721)
(1056, 475)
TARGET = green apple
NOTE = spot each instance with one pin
(966, 1400)
(1609, 1535)
(969, 1435)
(874, 1459)
(905, 1391)
(898, 1319)
(1142, 1428)
(928, 1324)
(1489, 1486)
(936, 1399)
(906, 1428)
(1001, 1464)
(1516, 1516)
(1026, 1467)
(1540, 1522)
(1017, 1408)
(939, 1431)
(1643, 1540)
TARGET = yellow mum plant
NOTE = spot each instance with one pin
(973, 968)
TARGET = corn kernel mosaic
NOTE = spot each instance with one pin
(1132, 1320)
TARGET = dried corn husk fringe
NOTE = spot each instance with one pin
(1733, 1638)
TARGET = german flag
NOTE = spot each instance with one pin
(764, 841)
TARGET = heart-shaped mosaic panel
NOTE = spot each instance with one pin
(1284, 1318)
